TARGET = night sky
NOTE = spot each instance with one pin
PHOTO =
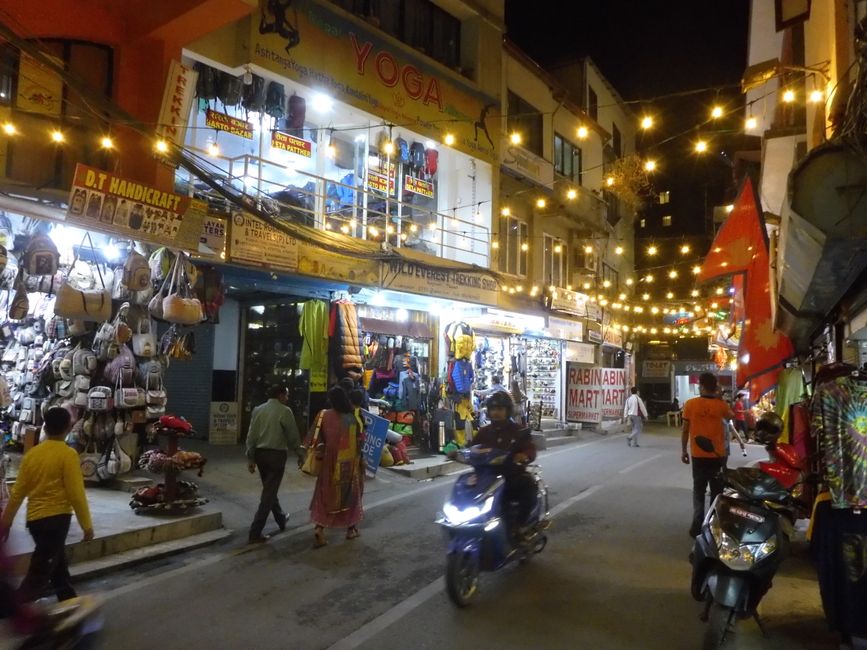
(651, 48)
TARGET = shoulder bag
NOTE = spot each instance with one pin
(91, 305)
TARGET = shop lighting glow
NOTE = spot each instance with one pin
(430, 144)
(413, 228)
(525, 247)
(495, 245)
(585, 286)
(694, 293)
(321, 103)
(558, 248)
(344, 229)
(401, 315)
(629, 282)
(388, 148)
(506, 211)
(606, 283)
(111, 252)
(669, 295)
(696, 270)
(609, 181)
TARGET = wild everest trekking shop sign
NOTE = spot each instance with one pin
(101, 200)
(405, 275)
(594, 394)
(320, 46)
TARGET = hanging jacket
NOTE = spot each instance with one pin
(345, 336)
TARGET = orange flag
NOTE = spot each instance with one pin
(740, 248)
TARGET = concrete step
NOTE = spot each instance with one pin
(427, 467)
(101, 566)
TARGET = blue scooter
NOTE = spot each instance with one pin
(480, 523)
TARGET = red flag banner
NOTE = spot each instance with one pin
(740, 248)
(738, 240)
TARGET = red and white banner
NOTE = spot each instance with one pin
(594, 393)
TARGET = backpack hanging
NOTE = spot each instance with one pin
(136, 272)
(41, 256)
(254, 95)
(416, 155)
(229, 89)
(206, 83)
(275, 100)
(431, 158)
(402, 148)
(297, 114)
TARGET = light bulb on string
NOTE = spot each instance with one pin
(161, 146)
(652, 250)
(558, 248)
(645, 296)
(572, 194)
(629, 282)
(789, 96)
(586, 286)
(388, 148)
(495, 244)
(9, 129)
(213, 149)
(696, 270)
(525, 247)
(694, 293)
(751, 123)
(105, 142)
(669, 295)
(449, 139)
(622, 296)
(650, 166)
(582, 132)
(700, 146)
(685, 249)
(413, 228)
(515, 138)
(618, 250)
(649, 278)
(672, 274)
(588, 249)
(646, 122)
(609, 181)
(716, 112)
(541, 203)
(505, 211)
(57, 136)
(817, 97)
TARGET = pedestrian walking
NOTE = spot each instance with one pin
(704, 440)
(337, 498)
(50, 479)
(636, 413)
(273, 433)
(740, 409)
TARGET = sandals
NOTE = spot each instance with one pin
(319, 537)
(352, 532)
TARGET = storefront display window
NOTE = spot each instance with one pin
(328, 165)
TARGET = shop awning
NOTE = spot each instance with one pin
(396, 328)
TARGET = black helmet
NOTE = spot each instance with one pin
(769, 428)
(501, 399)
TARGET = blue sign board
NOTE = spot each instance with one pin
(375, 430)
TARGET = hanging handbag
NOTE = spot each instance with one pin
(178, 305)
(128, 398)
(99, 399)
(136, 272)
(80, 399)
(108, 465)
(312, 465)
(19, 306)
(88, 305)
(122, 368)
(41, 256)
(144, 342)
(155, 395)
(89, 460)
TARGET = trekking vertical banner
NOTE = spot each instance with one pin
(375, 430)
(594, 394)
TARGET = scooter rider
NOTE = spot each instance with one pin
(504, 433)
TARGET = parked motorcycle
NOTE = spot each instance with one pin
(481, 524)
(746, 536)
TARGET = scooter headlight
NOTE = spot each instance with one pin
(458, 516)
(741, 557)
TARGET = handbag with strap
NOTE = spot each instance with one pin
(144, 343)
(312, 465)
(179, 306)
(88, 305)
(89, 459)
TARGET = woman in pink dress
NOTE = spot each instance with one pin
(340, 485)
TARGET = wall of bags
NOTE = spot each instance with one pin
(80, 316)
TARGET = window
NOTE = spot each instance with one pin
(664, 197)
(513, 234)
(612, 212)
(524, 118)
(592, 103)
(642, 223)
(616, 140)
(36, 161)
(611, 275)
(567, 159)
(418, 23)
(666, 220)
(554, 261)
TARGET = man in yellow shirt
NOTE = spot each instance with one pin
(51, 481)
(704, 439)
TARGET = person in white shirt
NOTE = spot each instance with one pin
(636, 412)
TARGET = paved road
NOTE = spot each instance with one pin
(615, 575)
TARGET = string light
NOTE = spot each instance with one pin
(696, 270)
(572, 194)
(789, 96)
(9, 128)
(495, 244)
(353, 223)
(541, 203)
(649, 278)
(629, 282)
(719, 291)
(413, 228)
(506, 211)
(622, 296)
(700, 146)
(449, 139)
(646, 122)
(650, 166)
(751, 123)
(694, 293)
(373, 231)
(685, 249)
(515, 138)
(716, 112)
(586, 285)
(817, 97)
(344, 229)
(388, 148)
(609, 181)
(652, 250)
(618, 250)
(57, 137)
(645, 296)
(672, 274)
(161, 146)
(669, 295)
(654, 310)
(213, 149)
(525, 247)
(558, 249)
(582, 132)
(389, 229)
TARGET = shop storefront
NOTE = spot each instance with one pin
(687, 373)
(320, 133)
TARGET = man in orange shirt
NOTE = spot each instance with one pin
(704, 438)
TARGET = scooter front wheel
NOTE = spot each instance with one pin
(462, 577)
(720, 627)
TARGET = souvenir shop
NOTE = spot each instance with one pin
(92, 323)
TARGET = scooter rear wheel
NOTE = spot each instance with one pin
(720, 627)
(462, 578)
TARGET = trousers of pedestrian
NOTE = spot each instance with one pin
(637, 424)
(48, 565)
(271, 464)
(706, 472)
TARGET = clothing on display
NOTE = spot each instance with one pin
(314, 353)
(791, 389)
(345, 335)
